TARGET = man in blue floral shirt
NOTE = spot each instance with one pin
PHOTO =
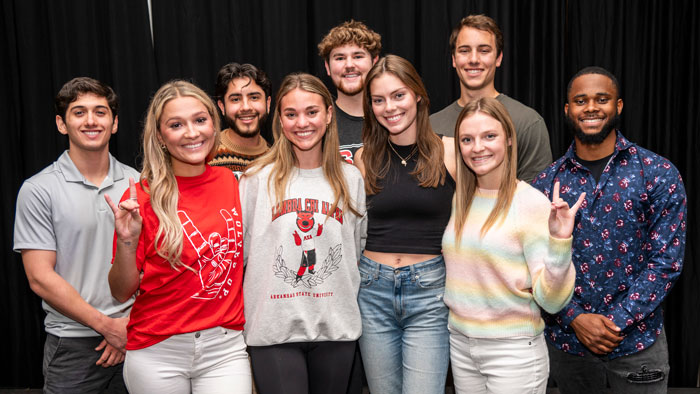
(628, 248)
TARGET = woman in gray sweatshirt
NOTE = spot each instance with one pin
(304, 223)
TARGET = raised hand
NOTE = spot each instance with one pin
(127, 219)
(561, 217)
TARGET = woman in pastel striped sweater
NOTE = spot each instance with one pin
(507, 251)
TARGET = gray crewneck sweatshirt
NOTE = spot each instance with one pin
(301, 278)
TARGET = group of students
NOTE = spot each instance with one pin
(428, 249)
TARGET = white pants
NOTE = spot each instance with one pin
(499, 365)
(207, 361)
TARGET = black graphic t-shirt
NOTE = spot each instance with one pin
(349, 134)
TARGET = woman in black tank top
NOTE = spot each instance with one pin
(407, 171)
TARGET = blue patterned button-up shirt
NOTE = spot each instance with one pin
(629, 240)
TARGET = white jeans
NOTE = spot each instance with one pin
(499, 365)
(207, 361)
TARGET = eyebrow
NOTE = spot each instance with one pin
(313, 106)
(181, 117)
(606, 94)
(399, 89)
(85, 107)
(480, 132)
(478, 46)
(360, 52)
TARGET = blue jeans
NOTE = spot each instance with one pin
(405, 344)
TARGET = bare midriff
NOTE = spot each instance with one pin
(397, 260)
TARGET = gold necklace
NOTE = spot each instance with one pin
(403, 159)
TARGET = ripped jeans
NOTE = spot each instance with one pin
(642, 372)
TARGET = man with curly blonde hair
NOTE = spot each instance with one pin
(349, 51)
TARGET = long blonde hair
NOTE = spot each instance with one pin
(281, 154)
(157, 176)
(430, 170)
(466, 179)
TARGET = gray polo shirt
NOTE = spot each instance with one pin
(59, 210)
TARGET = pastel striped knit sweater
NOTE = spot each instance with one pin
(496, 285)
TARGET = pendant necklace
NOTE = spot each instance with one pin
(403, 159)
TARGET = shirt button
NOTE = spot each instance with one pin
(197, 334)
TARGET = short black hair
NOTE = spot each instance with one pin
(72, 89)
(232, 71)
(593, 70)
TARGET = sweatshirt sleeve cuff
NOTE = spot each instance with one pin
(560, 250)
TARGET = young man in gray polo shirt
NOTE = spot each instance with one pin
(64, 230)
(477, 50)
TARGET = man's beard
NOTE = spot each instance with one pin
(231, 123)
(597, 138)
(348, 92)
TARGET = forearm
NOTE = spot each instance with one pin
(124, 276)
(63, 297)
(553, 281)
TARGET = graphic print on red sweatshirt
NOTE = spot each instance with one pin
(305, 233)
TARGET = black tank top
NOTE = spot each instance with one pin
(404, 217)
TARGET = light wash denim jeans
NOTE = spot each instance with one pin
(405, 343)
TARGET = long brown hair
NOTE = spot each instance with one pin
(430, 169)
(158, 171)
(281, 154)
(466, 179)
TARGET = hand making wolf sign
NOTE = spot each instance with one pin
(561, 217)
(127, 219)
(124, 277)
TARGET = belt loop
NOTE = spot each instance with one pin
(413, 272)
(377, 268)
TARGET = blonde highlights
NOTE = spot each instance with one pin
(466, 179)
(430, 169)
(157, 176)
(283, 159)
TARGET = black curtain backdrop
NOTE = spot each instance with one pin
(651, 46)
